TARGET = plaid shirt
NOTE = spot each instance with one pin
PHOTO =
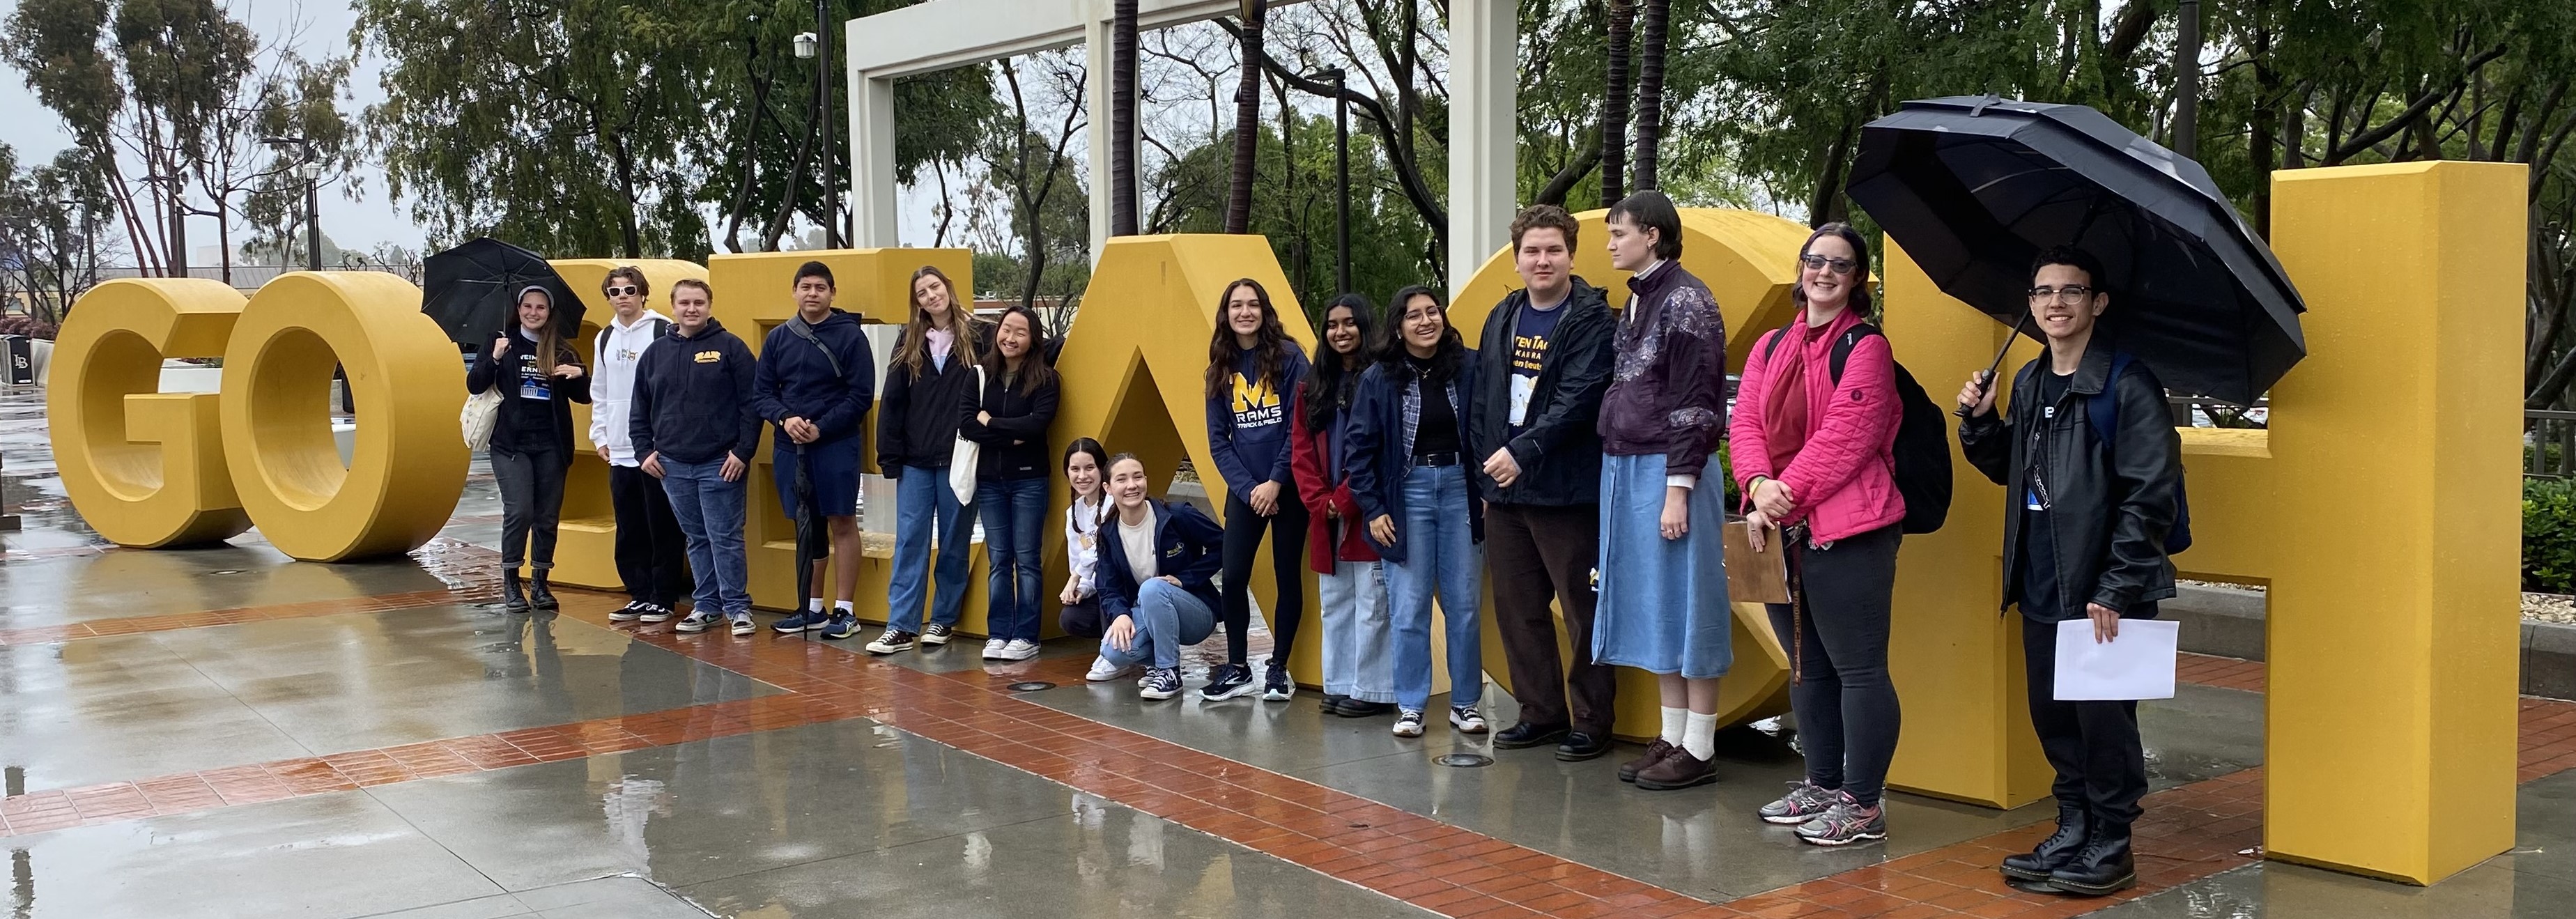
(1413, 413)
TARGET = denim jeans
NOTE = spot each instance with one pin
(1168, 619)
(920, 496)
(710, 513)
(1355, 632)
(1014, 515)
(1440, 553)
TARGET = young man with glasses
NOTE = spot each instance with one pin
(651, 553)
(2084, 539)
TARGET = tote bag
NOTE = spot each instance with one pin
(482, 409)
(963, 456)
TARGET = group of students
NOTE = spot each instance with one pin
(1567, 456)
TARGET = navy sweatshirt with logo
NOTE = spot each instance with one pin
(692, 398)
(1248, 426)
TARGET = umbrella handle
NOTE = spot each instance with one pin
(1987, 379)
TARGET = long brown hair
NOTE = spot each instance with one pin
(1269, 344)
(551, 350)
(914, 351)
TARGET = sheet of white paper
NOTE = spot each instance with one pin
(2137, 665)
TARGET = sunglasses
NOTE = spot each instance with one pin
(624, 290)
(1839, 265)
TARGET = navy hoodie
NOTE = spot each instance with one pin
(795, 380)
(1248, 427)
(692, 398)
(1186, 544)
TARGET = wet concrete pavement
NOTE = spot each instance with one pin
(858, 812)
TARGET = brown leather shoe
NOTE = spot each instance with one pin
(1655, 753)
(1679, 770)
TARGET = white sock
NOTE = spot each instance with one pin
(1673, 725)
(1699, 736)
(842, 607)
(814, 605)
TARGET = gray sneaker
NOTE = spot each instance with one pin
(1844, 823)
(1805, 801)
(700, 621)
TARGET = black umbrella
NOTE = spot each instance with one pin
(473, 290)
(810, 533)
(1975, 186)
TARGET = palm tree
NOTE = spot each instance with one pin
(1247, 120)
(1650, 88)
(1614, 105)
(1122, 119)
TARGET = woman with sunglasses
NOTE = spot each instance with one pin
(1814, 452)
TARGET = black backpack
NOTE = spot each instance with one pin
(1922, 451)
(2103, 411)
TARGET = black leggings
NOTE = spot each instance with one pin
(1243, 530)
(1847, 712)
(532, 490)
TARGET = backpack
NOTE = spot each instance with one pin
(1922, 450)
(2103, 412)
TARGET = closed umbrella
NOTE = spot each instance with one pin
(1974, 187)
(472, 290)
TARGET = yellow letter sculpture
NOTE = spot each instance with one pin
(144, 468)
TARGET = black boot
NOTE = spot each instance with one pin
(2073, 828)
(2103, 868)
(538, 595)
(512, 598)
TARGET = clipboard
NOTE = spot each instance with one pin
(1755, 577)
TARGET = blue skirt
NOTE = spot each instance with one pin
(1662, 602)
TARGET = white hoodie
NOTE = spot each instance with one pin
(612, 382)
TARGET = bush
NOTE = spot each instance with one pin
(28, 326)
(2549, 535)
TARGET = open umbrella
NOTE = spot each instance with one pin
(472, 290)
(1974, 187)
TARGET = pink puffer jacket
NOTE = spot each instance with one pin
(1844, 479)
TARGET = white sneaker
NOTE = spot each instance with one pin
(1019, 649)
(742, 624)
(1103, 671)
(993, 649)
(655, 612)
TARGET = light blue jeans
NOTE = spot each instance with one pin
(922, 498)
(1014, 515)
(710, 513)
(1168, 619)
(1440, 558)
(1355, 632)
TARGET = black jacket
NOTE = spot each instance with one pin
(505, 437)
(917, 420)
(1015, 443)
(2110, 508)
(1187, 545)
(795, 380)
(1377, 454)
(692, 398)
(1559, 450)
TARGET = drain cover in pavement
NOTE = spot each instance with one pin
(1465, 760)
(1031, 686)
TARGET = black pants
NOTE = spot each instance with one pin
(1848, 718)
(1081, 619)
(652, 554)
(1538, 555)
(1243, 530)
(2101, 765)
(532, 488)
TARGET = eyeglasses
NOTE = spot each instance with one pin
(1839, 265)
(626, 290)
(2069, 295)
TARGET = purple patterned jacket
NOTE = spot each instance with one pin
(1668, 385)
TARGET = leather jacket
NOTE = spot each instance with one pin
(2110, 507)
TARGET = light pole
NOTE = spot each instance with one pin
(1341, 177)
(310, 170)
(2186, 129)
(816, 46)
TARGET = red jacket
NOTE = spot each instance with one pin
(1311, 458)
(1844, 478)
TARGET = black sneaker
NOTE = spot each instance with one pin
(935, 634)
(655, 612)
(1332, 704)
(1160, 683)
(1226, 681)
(1275, 685)
(633, 610)
(892, 641)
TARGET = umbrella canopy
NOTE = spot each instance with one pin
(1975, 187)
(473, 290)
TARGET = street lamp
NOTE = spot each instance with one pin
(308, 168)
(806, 45)
(1342, 176)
